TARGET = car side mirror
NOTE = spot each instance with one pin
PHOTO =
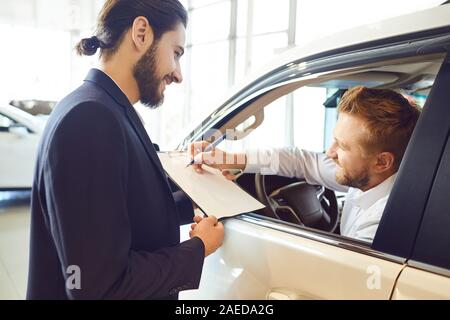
(18, 130)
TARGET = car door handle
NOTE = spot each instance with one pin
(287, 294)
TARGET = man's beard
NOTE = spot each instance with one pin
(145, 73)
(359, 181)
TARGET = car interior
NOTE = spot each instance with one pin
(292, 200)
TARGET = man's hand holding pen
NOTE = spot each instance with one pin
(204, 153)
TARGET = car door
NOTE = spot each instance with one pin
(18, 150)
(263, 258)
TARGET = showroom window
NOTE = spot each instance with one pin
(40, 75)
(224, 50)
(227, 40)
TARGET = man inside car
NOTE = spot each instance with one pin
(371, 135)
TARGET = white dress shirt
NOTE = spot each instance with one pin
(362, 209)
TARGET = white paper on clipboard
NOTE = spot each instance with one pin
(214, 194)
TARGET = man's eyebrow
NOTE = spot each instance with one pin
(341, 143)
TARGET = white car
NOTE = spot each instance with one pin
(274, 253)
(19, 138)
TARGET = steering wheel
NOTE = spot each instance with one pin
(301, 203)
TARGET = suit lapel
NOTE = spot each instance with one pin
(145, 139)
(103, 80)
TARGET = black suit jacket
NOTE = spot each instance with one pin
(101, 202)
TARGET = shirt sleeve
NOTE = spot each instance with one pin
(314, 167)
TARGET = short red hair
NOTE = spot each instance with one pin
(390, 118)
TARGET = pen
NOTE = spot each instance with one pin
(207, 149)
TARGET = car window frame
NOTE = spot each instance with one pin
(328, 238)
(432, 239)
(431, 235)
(387, 52)
(334, 239)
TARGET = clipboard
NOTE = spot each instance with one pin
(211, 191)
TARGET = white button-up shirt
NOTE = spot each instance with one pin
(362, 209)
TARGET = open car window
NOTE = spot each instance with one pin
(303, 114)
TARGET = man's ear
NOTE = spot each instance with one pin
(141, 34)
(384, 162)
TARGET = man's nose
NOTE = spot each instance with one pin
(331, 152)
(177, 76)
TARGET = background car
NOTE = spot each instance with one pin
(19, 138)
(270, 255)
(34, 107)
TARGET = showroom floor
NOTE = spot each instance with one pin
(14, 236)
(14, 243)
